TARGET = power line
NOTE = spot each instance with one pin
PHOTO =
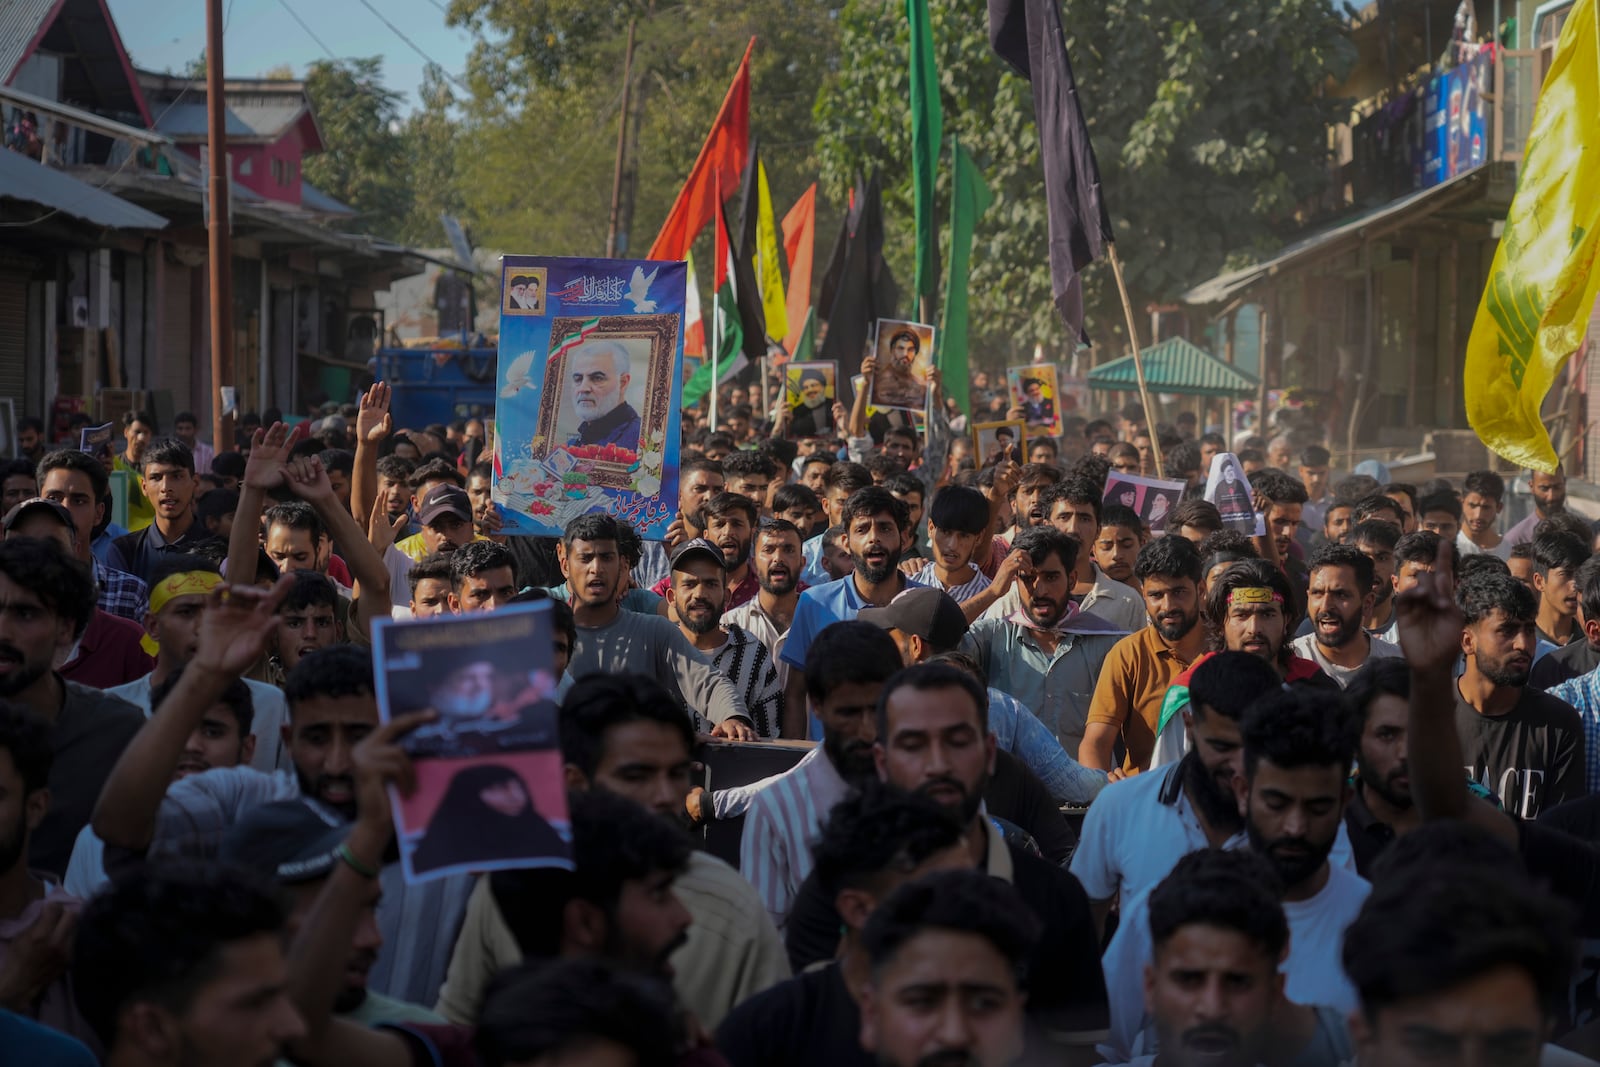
(413, 46)
(309, 31)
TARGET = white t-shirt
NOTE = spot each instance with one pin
(1307, 648)
(1314, 970)
(271, 712)
(1138, 828)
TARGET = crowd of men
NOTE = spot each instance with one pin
(1060, 788)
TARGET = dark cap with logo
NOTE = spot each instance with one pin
(931, 614)
(698, 546)
(288, 841)
(41, 505)
(444, 500)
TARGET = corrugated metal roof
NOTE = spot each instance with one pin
(314, 199)
(20, 23)
(1175, 366)
(241, 120)
(23, 179)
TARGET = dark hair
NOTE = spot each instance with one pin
(545, 1008)
(1443, 922)
(871, 502)
(1040, 542)
(1251, 455)
(1183, 457)
(482, 469)
(561, 618)
(1566, 522)
(18, 468)
(1485, 483)
(1295, 727)
(296, 515)
(599, 702)
(216, 504)
(1253, 572)
(726, 503)
(1076, 489)
(338, 671)
(236, 695)
(436, 470)
(1445, 501)
(1231, 543)
(1171, 556)
(131, 417)
(71, 459)
(1385, 675)
(777, 527)
(1422, 546)
(1492, 591)
(1376, 504)
(1278, 487)
(26, 735)
(476, 557)
(63, 585)
(959, 509)
(902, 483)
(795, 495)
(1232, 889)
(1117, 515)
(396, 468)
(846, 652)
(31, 422)
(1033, 472)
(435, 565)
(878, 830)
(1345, 556)
(1379, 532)
(928, 677)
(1356, 488)
(155, 935)
(721, 439)
(1201, 514)
(848, 476)
(230, 465)
(1314, 456)
(969, 902)
(961, 662)
(1562, 551)
(699, 465)
(310, 589)
(340, 460)
(747, 462)
(827, 459)
(1588, 581)
(168, 451)
(1229, 682)
(1480, 563)
(592, 527)
(615, 841)
(1044, 441)
(1405, 489)
(1520, 550)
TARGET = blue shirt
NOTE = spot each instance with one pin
(1019, 732)
(1057, 685)
(812, 573)
(25, 1041)
(1583, 693)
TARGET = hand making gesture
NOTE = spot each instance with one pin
(1430, 619)
(236, 625)
(373, 423)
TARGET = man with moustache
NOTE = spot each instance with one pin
(1138, 827)
(813, 415)
(1340, 595)
(698, 589)
(600, 373)
(729, 521)
(776, 561)
(1298, 747)
(1381, 807)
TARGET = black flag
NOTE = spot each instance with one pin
(858, 287)
(1028, 35)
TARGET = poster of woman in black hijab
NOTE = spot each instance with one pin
(1152, 499)
(490, 790)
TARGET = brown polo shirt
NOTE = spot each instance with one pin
(1134, 678)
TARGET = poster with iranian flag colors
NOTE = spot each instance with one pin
(590, 377)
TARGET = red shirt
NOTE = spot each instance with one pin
(108, 653)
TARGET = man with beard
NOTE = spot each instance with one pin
(1376, 539)
(1298, 747)
(1027, 497)
(1047, 654)
(1212, 987)
(1284, 500)
(842, 678)
(933, 738)
(78, 482)
(698, 481)
(612, 640)
(697, 593)
(776, 561)
(36, 915)
(1525, 746)
(600, 372)
(46, 601)
(1137, 828)
(1137, 671)
(1549, 492)
(730, 523)
(621, 735)
(842, 481)
(1483, 496)
(875, 523)
(1381, 807)
(1339, 596)
(813, 415)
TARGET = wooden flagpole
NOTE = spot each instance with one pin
(1138, 361)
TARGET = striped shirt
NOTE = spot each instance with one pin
(784, 822)
(745, 662)
(976, 582)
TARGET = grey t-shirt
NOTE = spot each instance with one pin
(90, 733)
(652, 645)
(1307, 648)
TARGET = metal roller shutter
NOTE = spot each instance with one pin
(13, 337)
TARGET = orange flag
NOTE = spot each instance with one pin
(799, 244)
(722, 159)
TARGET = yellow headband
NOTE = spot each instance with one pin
(184, 583)
(1254, 594)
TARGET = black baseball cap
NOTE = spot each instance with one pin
(288, 841)
(697, 546)
(444, 500)
(38, 503)
(931, 614)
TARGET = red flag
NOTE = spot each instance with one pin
(799, 244)
(722, 159)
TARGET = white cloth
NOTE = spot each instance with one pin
(783, 823)
(1307, 648)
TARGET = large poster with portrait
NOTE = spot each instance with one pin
(1034, 389)
(1229, 490)
(590, 376)
(490, 792)
(905, 363)
(1152, 499)
(810, 390)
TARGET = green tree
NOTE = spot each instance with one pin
(1209, 118)
(429, 143)
(364, 162)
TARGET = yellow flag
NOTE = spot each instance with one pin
(1542, 286)
(769, 275)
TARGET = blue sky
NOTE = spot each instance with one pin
(261, 34)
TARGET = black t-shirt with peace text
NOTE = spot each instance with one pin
(1531, 757)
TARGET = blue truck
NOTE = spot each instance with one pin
(439, 383)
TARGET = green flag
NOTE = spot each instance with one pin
(731, 360)
(805, 346)
(969, 199)
(927, 135)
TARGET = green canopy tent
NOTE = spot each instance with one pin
(1177, 367)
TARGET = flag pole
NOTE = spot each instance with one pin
(716, 353)
(1138, 361)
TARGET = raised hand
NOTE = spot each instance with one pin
(269, 447)
(869, 365)
(382, 530)
(1430, 620)
(372, 419)
(379, 762)
(237, 624)
(308, 480)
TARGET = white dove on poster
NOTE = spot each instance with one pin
(639, 290)
(517, 375)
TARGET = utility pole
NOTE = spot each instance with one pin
(622, 140)
(221, 245)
